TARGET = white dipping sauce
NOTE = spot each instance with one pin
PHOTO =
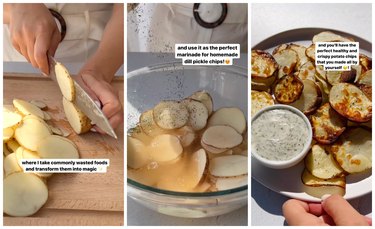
(278, 134)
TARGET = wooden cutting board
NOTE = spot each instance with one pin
(74, 199)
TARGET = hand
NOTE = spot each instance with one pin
(102, 91)
(34, 32)
(334, 210)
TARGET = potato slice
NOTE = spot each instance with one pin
(11, 165)
(26, 108)
(77, 119)
(364, 83)
(56, 130)
(288, 89)
(260, 100)
(230, 116)
(170, 115)
(31, 132)
(353, 150)
(165, 148)
(328, 36)
(287, 60)
(46, 116)
(349, 101)
(307, 71)
(65, 82)
(335, 77)
(148, 125)
(212, 149)
(24, 194)
(205, 98)
(301, 52)
(263, 84)
(56, 147)
(6, 151)
(280, 47)
(263, 64)
(27, 154)
(11, 119)
(198, 114)
(39, 104)
(310, 99)
(327, 124)
(198, 164)
(12, 145)
(310, 52)
(222, 137)
(319, 187)
(365, 62)
(228, 166)
(186, 135)
(230, 182)
(137, 153)
(320, 163)
(7, 134)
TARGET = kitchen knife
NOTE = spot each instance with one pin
(85, 103)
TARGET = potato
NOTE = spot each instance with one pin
(56, 147)
(230, 116)
(310, 99)
(230, 182)
(31, 132)
(310, 52)
(328, 36)
(327, 124)
(353, 150)
(13, 145)
(288, 89)
(65, 82)
(222, 137)
(26, 108)
(6, 151)
(263, 65)
(24, 194)
(165, 147)
(228, 166)
(198, 114)
(11, 165)
(335, 77)
(148, 125)
(11, 119)
(301, 52)
(205, 98)
(7, 134)
(170, 115)
(320, 163)
(350, 102)
(77, 119)
(287, 60)
(260, 100)
(365, 62)
(137, 153)
(306, 71)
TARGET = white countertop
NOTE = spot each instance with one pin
(270, 19)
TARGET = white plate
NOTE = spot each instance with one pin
(288, 181)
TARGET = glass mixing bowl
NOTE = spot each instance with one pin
(172, 81)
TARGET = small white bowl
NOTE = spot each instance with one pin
(298, 157)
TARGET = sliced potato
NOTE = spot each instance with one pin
(279, 48)
(205, 98)
(26, 108)
(301, 52)
(320, 163)
(353, 150)
(76, 118)
(310, 99)
(137, 153)
(319, 187)
(165, 148)
(212, 149)
(11, 165)
(310, 52)
(287, 60)
(198, 114)
(327, 124)
(263, 64)
(186, 135)
(222, 137)
(39, 104)
(7, 134)
(230, 116)
(11, 119)
(349, 101)
(13, 145)
(228, 166)
(288, 89)
(65, 82)
(31, 132)
(24, 194)
(198, 165)
(364, 83)
(56, 147)
(148, 125)
(263, 84)
(335, 77)
(170, 115)
(328, 36)
(230, 182)
(56, 130)
(306, 71)
(6, 151)
(46, 116)
(365, 62)
(260, 100)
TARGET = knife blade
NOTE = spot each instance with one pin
(85, 103)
